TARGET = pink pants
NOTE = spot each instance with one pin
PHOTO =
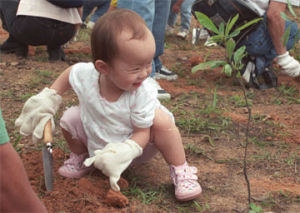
(71, 122)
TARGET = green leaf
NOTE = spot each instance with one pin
(227, 70)
(285, 17)
(240, 68)
(248, 24)
(217, 38)
(286, 35)
(238, 74)
(207, 65)
(239, 54)
(215, 99)
(230, 24)
(291, 9)
(206, 22)
(209, 139)
(230, 45)
(254, 208)
(221, 29)
(233, 34)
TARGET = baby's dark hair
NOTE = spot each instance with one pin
(107, 29)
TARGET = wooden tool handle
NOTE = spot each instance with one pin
(48, 132)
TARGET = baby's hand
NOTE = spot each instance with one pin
(114, 158)
(37, 110)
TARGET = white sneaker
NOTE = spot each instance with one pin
(203, 34)
(199, 33)
(90, 25)
(162, 94)
(250, 67)
(166, 74)
(183, 34)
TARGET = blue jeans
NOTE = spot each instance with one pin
(259, 44)
(155, 13)
(89, 5)
(185, 14)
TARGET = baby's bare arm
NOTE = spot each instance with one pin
(61, 84)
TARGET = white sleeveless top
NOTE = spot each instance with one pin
(43, 8)
(111, 122)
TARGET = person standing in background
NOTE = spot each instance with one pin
(185, 9)
(155, 13)
(89, 5)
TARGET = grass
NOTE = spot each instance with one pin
(42, 77)
(239, 101)
(84, 35)
(16, 142)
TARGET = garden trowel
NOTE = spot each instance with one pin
(47, 156)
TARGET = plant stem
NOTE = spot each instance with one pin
(246, 145)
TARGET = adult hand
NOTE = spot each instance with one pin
(36, 112)
(289, 65)
(113, 159)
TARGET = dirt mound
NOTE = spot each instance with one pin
(70, 195)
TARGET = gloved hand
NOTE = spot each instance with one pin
(289, 65)
(114, 158)
(36, 112)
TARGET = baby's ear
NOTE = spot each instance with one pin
(101, 66)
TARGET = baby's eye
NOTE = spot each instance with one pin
(135, 70)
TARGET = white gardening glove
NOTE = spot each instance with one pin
(36, 111)
(114, 158)
(289, 65)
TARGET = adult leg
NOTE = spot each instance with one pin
(186, 14)
(162, 9)
(88, 7)
(259, 44)
(43, 31)
(17, 194)
(8, 10)
(145, 8)
(102, 8)
(172, 16)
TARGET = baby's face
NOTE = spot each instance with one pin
(134, 61)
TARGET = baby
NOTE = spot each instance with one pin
(119, 120)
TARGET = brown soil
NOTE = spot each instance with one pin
(274, 150)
